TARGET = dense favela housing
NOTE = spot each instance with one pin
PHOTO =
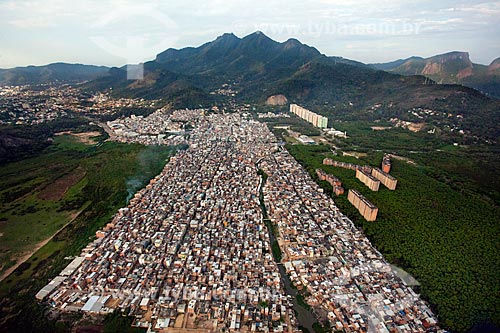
(309, 116)
(325, 255)
(191, 251)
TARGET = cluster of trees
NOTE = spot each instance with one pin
(127, 112)
(445, 238)
(22, 141)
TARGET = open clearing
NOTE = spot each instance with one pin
(57, 189)
(85, 137)
(380, 128)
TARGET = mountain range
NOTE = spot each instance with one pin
(258, 67)
(452, 68)
(255, 64)
(228, 54)
(56, 72)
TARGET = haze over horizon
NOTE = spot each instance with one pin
(116, 32)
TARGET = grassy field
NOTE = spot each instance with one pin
(33, 195)
(446, 238)
(95, 181)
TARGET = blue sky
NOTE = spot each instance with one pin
(115, 32)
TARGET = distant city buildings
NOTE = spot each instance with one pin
(309, 116)
(271, 115)
(32, 105)
(160, 127)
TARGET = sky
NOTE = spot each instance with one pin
(117, 32)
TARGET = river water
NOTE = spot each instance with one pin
(305, 317)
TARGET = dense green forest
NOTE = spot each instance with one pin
(23, 141)
(445, 237)
(471, 168)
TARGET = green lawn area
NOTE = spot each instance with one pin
(29, 216)
(444, 237)
(28, 223)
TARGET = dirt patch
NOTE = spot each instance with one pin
(416, 127)
(276, 100)
(380, 128)
(113, 303)
(85, 137)
(147, 315)
(58, 189)
(63, 133)
(354, 154)
(179, 321)
(402, 158)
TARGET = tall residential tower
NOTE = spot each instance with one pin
(309, 116)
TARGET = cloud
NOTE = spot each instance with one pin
(32, 22)
(328, 24)
(51, 12)
(486, 9)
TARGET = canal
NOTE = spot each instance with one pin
(305, 317)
